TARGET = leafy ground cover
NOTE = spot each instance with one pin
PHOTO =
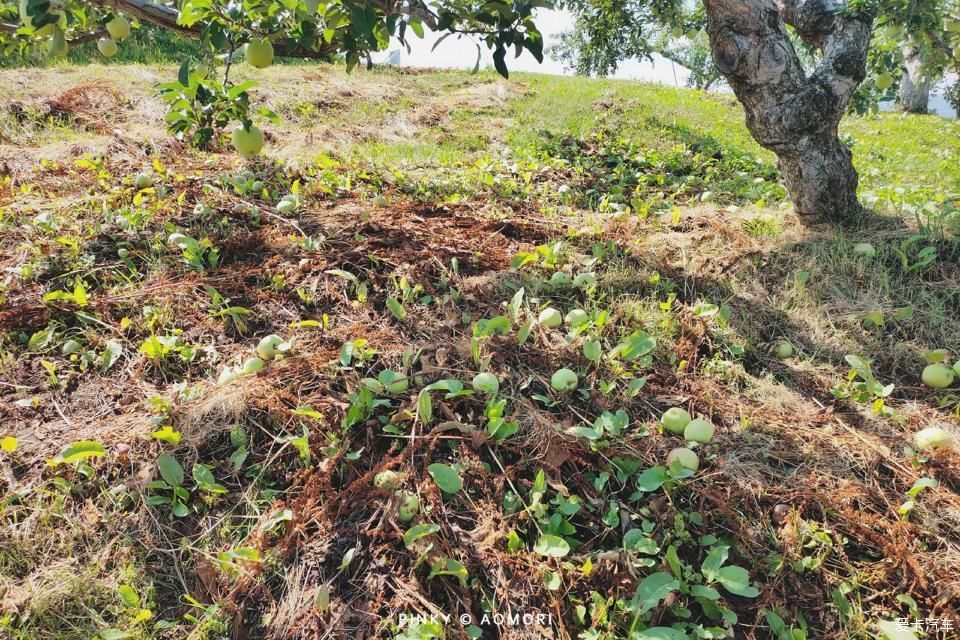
(405, 233)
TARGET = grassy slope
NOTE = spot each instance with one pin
(670, 202)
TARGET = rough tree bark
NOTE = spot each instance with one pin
(914, 94)
(794, 115)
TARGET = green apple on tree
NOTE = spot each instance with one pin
(119, 28)
(107, 47)
(247, 140)
(260, 53)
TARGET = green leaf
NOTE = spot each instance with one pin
(419, 531)
(129, 596)
(396, 308)
(653, 589)
(736, 580)
(183, 76)
(551, 545)
(168, 434)
(170, 470)
(712, 563)
(661, 633)
(652, 479)
(78, 451)
(446, 477)
(708, 593)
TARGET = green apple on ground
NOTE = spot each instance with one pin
(409, 506)
(933, 438)
(564, 380)
(865, 249)
(784, 349)
(938, 376)
(486, 383)
(686, 457)
(387, 480)
(698, 430)
(143, 181)
(271, 346)
(252, 365)
(576, 317)
(550, 317)
(675, 420)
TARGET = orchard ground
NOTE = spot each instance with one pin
(427, 201)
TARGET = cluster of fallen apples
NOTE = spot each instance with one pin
(679, 421)
(269, 348)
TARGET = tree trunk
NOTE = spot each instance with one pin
(794, 115)
(914, 96)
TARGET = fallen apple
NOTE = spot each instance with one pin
(143, 181)
(387, 480)
(938, 376)
(685, 457)
(271, 346)
(698, 430)
(560, 279)
(576, 317)
(933, 438)
(564, 380)
(675, 420)
(784, 349)
(584, 279)
(252, 365)
(865, 249)
(550, 318)
(228, 375)
(486, 383)
(409, 506)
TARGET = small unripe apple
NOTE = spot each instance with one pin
(270, 346)
(564, 380)
(933, 438)
(387, 480)
(560, 279)
(675, 420)
(248, 143)
(486, 383)
(143, 181)
(260, 53)
(228, 375)
(938, 376)
(550, 318)
(576, 317)
(686, 457)
(584, 279)
(865, 249)
(119, 28)
(698, 430)
(252, 365)
(884, 81)
(409, 506)
(784, 349)
(107, 47)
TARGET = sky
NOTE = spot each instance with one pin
(462, 54)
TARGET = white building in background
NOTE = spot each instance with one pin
(454, 53)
